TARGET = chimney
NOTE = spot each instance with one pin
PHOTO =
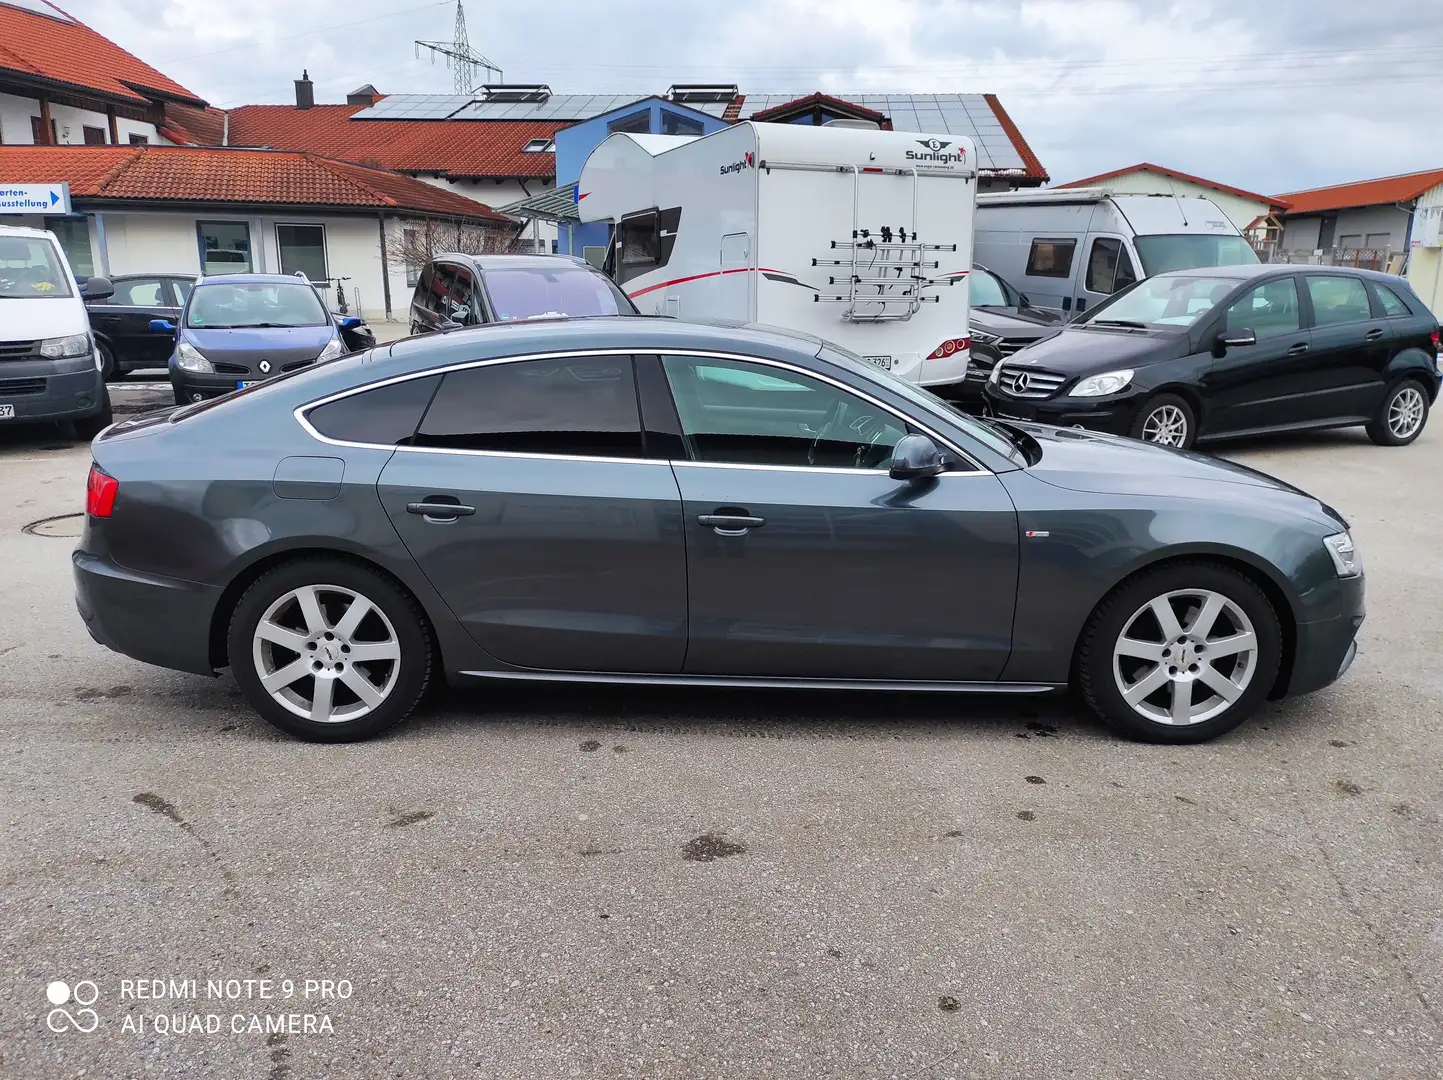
(366, 95)
(305, 91)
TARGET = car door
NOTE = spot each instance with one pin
(806, 559)
(125, 319)
(526, 499)
(1108, 269)
(1253, 387)
(1352, 341)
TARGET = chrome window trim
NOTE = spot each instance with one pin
(300, 411)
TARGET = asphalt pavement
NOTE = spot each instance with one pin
(537, 882)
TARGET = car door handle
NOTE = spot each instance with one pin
(440, 511)
(1373, 334)
(730, 524)
(1298, 349)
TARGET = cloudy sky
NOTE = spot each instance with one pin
(1268, 95)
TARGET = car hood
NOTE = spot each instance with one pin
(29, 318)
(1014, 322)
(261, 339)
(1090, 461)
(1074, 351)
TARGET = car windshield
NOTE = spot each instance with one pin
(1171, 302)
(987, 290)
(30, 267)
(541, 292)
(1191, 251)
(233, 305)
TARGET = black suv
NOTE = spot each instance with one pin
(1225, 351)
(468, 290)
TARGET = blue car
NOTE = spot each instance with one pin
(240, 329)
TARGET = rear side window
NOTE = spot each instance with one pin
(578, 406)
(385, 416)
(1338, 299)
(1394, 306)
(1051, 258)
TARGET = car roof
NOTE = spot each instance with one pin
(1248, 271)
(248, 279)
(25, 230)
(500, 262)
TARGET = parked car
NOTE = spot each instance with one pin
(1197, 355)
(240, 329)
(1000, 322)
(49, 365)
(123, 323)
(646, 500)
(468, 290)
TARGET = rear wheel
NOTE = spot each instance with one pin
(329, 651)
(1401, 417)
(107, 361)
(1180, 654)
(1167, 420)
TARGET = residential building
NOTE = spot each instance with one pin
(1367, 223)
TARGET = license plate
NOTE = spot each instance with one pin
(7, 412)
(883, 362)
(243, 383)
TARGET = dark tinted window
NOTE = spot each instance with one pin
(566, 288)
(1393, 305)
(1268, 310)
(425, 296)
(1109, 268)
(462, 296)
(637, 123)
(639, 241)
(1338, 299)
(386, 416)
(1050, 258)
(579, 405)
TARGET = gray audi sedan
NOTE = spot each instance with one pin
(635, 500)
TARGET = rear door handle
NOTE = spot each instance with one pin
(1373, 334)
(1298, 349)
(730, 524)
(440, 511)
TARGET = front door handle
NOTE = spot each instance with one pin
(730, 524)
(436, 510)
(1373, 334)
(1298, 349)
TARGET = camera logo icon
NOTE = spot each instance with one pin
(83, 1019)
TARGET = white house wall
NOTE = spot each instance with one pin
(1241, 212)
(493, 194)
(1425, 265)
(15, 114)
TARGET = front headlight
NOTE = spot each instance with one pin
(983, 336)
(62, 348)
(192, 359)
(1346, 559)
(1109, 382)
(333, 349)
(996, 373)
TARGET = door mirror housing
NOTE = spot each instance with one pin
(916, 457)
(348, 322)
(97, 288)
(162, 326)
(448, 324)
(1234, 339)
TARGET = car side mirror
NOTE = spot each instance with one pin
(916, 457)
(97, 288)
(1235, 339)
(162, 326)
(349, 322)
(448, 324)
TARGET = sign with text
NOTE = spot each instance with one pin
(35, 198)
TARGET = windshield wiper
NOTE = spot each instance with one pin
(1131, 324)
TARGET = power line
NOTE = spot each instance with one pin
(305, 33)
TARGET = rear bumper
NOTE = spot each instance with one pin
(157, 620)
(38, 391)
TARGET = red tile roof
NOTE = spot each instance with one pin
(461, 148)
(1388, 189)
(251, 177)
(1030, 163)
(60, 50)
(818, 100)
(1175, 174)
(194, 127)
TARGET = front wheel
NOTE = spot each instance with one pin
(1180, 654)
(107, 361)
(329, 651)
(1401, 417)
(1167, 420)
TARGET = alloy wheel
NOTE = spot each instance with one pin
(1184, 657)
(1405, 412)
(1166, 426)
(326, 653)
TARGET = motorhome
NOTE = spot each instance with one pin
(1069, 248)
(857, 235)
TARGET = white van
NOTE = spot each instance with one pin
(49, 365)
(859, 236)
(1069, 248)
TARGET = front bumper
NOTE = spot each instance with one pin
(1113, 415)
(188, 384)
(1326, 648)
(51, 389)
(157, 620)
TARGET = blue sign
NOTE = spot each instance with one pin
(53, 199)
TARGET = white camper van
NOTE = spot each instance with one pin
(856, 235)
(1069, 248)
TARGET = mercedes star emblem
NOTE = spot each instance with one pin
(265, 366)
(1019, 382)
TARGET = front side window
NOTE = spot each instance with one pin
(551, 292)
(576, 406)
(1050, 258)
(303, 248)
(1269, 310)
(140, 292)
(1109, 267)
(385, 416)
(225, 247)
(463, 297)
(1337, 299)
(986, 290)
(1168, 302)
(742, 413)
(31, 267)
(231, 306)
(1190, 251)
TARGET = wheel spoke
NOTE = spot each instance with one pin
(1142, 650)
(1181, 701)
(362, 687)
(374, 650)
(1146, 685)
(1207, 615)
(311, 610)
(1166, 618)
(1219, 683)
(359, 609)
(283, 677)
(1232, 645)
(321, 701)
(279, 635)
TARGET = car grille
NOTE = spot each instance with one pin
(296, 365)
(1027, 382)
(19, 350)
(230, 369)
(1008, 346)
(20, 387)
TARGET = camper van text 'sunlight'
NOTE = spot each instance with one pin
(748, 161)
(937, 151)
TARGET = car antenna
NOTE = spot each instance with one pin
(1175, 199)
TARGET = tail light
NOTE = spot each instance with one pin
(100, 491)
(1435, 340)
(950, 346)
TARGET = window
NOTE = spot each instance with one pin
(425, 297)
(140, 292)
(385, 416)
(31, 268)
(986, 290)
(228, 306)
(94, 136)
(1350, 241)
(182, 287)
(639, 123)
(303, 248)
(464, 308)
(639, 242)
(1191, 251)
(582, 406)
(676, 124)
(1109, 268)
(565, 289)
(539, 146)
(1050, 258)
(1392, 304)
(744, 413)
(74, 236)
(225, 247)
(37, 132)
(139, 140)
(1378, 241)
(1162, 302)
(1337, 299)
(1269, 310)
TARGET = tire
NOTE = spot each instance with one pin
(1402, 415)
(394, 628)
(107, 362)
(1107, 669)
(87, 427)
(1162, 415)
